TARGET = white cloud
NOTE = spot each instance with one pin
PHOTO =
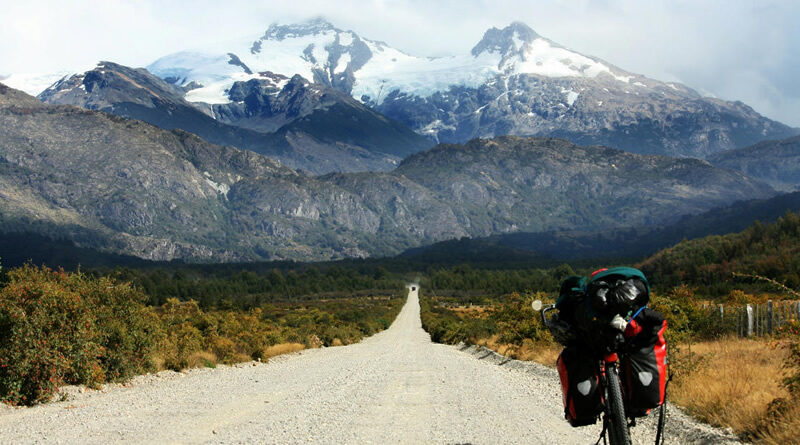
(736, 50)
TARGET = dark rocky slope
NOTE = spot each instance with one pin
(129, 187)
(774, 162)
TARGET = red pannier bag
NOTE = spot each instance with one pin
(644, 365)
(579, 386)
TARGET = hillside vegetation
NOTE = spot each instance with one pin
(774, 162)
(767, 250)
(611, 245)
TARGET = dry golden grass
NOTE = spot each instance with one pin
(734, 384)
(159, 362)
(782, 429)
(281, 348)
(543, 353)
(202, 359)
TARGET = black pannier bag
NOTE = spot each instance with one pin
(619, 290)
(579, 386)
(644, 364)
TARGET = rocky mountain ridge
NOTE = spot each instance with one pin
(611, 245)
(774, 162)
(301, 124)
(128, 187)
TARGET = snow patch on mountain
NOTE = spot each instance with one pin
(390, 69)
(571, 95)
(214, 73)
(341, 64)
(346, 38)
(33, 83)
(543, 58)
(292, 54)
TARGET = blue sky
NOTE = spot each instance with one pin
(735, 49)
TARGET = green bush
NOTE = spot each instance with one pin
(60, 328)
(517, 321)
(67, 328)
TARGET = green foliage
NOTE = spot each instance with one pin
(512, 319)
(465, 281)
(768, 250)
(58, 328)
(232, 335)
(444, 326)
(249, 286)
(517, 321)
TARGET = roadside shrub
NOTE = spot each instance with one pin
(181, 342)
(59, 328)
(128, 330)
(516, 320)
(67, 328)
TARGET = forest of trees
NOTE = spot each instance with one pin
(766, 250)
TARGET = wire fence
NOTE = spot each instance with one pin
(757, 320)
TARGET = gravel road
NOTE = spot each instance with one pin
(394, 387)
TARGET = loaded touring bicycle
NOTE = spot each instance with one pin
(614, 364)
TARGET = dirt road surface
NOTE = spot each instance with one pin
(394, 387)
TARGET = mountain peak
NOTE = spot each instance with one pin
(317, 25)
(506, 40)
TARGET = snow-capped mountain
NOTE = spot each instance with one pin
(370, 70)
(512, 82)
(304, 125)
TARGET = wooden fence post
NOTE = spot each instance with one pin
(739, 321)
(757, 321)
(749, 323)
(770, 320)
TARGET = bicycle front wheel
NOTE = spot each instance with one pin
(616, 422)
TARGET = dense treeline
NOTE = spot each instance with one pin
(245, 288)
(251, 285)
(472, 284)
(766, 250)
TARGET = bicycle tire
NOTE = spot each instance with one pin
(617, 423)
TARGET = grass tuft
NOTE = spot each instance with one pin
(202, 359)
(281, 348)
(539, 352)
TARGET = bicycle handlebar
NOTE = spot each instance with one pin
(545, 310)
